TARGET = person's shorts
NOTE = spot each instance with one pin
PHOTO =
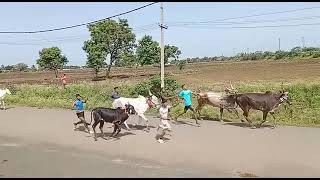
(186, 108)
(80, 114)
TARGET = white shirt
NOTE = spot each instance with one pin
(164, 111)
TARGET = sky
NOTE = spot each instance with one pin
(185, 30)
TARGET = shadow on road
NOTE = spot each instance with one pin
(214, 119)
(7, 108)
(246, 125)
(184, 122)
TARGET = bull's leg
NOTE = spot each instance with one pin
(119, 129)
(4, 107)
(198, 110)
(115, 127)
(264, 118)
(221, 112)
(274, 120)
(101, 128)
(125, 123)
(246, 116)
(94, 128)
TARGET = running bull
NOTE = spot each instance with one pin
(116, 116)
(266, 102)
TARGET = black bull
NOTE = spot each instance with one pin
(266, 102)
(116, 116)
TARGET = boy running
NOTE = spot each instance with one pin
(164, 124)
(78, 104)
(186, 94)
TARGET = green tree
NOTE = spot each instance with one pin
(21, 67)
(127, 58)
(95, 56)
(51, 58)
(109, 37)
(172, 52)
(148, 51)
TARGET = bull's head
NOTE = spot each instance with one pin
(153, 100)
(284, 97)
(130, 109)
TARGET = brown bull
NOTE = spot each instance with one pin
(266, 102)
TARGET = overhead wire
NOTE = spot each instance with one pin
(78, 25)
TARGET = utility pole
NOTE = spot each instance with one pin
(303, 43)
(279, 45)
(162, 46)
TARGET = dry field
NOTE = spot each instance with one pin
(199, 74)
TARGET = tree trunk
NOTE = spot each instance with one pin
(96, 72)
(56, 72)
(109, 67)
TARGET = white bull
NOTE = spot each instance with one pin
(141, 105)
(3, 93)
(216, 99)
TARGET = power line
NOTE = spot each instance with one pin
(78, 25)
(249, 27)
(256, 15)
(61, 39)
(246, 22)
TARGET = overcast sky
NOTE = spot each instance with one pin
(185, 30)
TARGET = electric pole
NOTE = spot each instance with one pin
(303, 43)
(279, 44)
(162, 46)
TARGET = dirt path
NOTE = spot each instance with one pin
(212, 150)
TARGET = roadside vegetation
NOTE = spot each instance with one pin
(304, 111)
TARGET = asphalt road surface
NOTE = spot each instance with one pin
(42, 143)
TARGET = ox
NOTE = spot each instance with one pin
(3, 93)
(266, 102)
(116, 116)
(217, 99)
(141, 105)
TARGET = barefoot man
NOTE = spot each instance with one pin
(186, 94)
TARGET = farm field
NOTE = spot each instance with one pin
(197, 74)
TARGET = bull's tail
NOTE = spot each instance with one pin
(91, 116)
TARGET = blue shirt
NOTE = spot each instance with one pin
(186, 94)
(79, 105)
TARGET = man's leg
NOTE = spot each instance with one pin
(194, 114)
(184, 111)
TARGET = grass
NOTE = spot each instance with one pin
(304, 95)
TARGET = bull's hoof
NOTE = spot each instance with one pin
(253, 127)
(273, 127)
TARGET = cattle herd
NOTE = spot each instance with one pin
(230, 100)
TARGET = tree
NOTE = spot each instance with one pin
(109, 37)
(148, 51)
(21, 67)
(127, 58)
(95, 56)
(171, 52)
(51, 58)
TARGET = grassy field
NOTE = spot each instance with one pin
(301, 79)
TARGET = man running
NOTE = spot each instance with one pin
(186, 94)
(78, 104)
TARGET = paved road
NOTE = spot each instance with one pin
(41, 143)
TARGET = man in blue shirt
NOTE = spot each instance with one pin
(186, 94)
(78, 104)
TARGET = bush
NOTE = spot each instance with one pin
(154, 85)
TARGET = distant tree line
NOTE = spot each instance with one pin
(294, 53)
